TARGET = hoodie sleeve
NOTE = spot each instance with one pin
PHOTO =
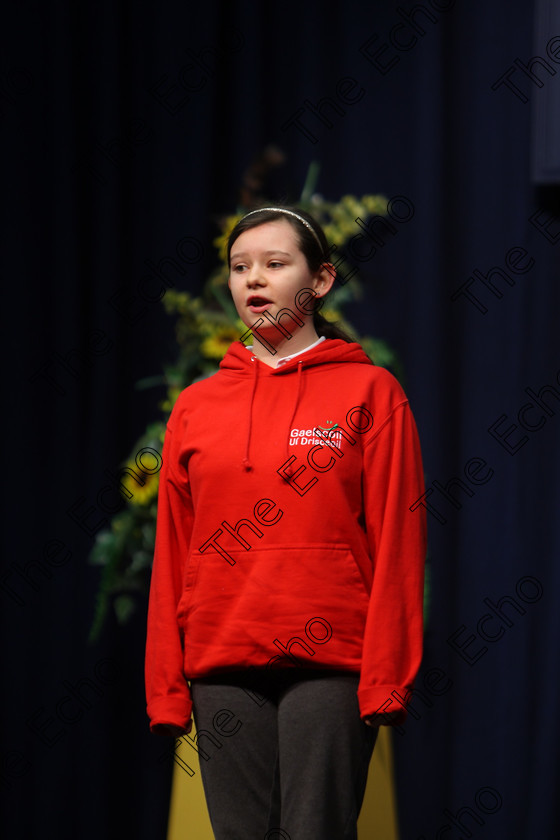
(392, 650)
(167, 692)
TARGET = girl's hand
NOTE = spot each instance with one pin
(386, 718)
(174, 731)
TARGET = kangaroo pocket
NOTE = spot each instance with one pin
(280, 606)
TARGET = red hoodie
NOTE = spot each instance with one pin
(284, 535)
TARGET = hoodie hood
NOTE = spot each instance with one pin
(239, 361)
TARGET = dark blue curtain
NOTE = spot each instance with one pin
(127, 130)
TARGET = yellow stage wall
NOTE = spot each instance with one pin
(188, 817)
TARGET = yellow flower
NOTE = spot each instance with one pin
(331, 314)
(221, 241)
(176, 301)
(140, 494)
(375, 204)
(217, 342)
(172, 394)
(351, 204)
(333, 234)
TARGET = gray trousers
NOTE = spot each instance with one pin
(283, 754)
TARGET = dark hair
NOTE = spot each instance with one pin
(312, 243)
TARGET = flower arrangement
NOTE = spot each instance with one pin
(205, 326)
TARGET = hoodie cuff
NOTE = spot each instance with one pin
(170, 711)
(385, 701)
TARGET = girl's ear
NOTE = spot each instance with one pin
(325, 278)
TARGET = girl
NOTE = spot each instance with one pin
(288, 572)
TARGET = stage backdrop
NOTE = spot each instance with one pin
(127, 127)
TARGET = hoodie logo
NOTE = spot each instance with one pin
(308, 436)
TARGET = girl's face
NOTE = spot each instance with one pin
(267, 270)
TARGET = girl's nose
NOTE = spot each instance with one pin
(254, 277)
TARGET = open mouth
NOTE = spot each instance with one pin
(257, 303)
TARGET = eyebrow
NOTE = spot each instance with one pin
(239, 254)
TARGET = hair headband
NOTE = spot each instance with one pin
(288, 213)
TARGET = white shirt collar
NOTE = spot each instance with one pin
(285, 359)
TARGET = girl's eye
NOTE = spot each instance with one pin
(238, 268)
(275, 263)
